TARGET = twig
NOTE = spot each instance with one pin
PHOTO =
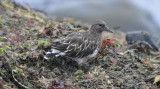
(129, 51)
(87, 80)
(10, 72)
(156, 57)
(155, 53)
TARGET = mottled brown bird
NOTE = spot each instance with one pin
(80, 46)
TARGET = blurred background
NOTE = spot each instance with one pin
(124, 15)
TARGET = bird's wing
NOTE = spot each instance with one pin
(75, 45)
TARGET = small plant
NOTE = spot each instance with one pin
(1, 20)
(44, 44)
(58, 84)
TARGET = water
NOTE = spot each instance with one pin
(49, 6)
(127, 15)
(152, 6)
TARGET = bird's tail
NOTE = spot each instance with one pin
(52, 54)
(49, 55)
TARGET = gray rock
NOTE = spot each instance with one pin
(142, 37)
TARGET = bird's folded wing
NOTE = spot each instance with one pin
(76, 45)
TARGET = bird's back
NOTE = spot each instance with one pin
(75, 45)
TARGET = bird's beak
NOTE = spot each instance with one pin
(108, 30)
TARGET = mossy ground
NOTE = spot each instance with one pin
(26, 35)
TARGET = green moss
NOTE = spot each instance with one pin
(43, 43)
(1, 49)
(1, 20)
(79, 73)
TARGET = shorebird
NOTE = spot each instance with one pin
(80, 46)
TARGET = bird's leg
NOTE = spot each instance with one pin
(80, 62)
(95, 57)
(79, 66)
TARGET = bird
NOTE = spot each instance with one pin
(79, 46)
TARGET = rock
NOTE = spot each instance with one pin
(142, 38)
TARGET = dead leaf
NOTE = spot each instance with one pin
(35, 55)
(157, 79)
(114, 61)
(89, 76)
(31, 21)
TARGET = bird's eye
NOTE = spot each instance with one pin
(100, 25)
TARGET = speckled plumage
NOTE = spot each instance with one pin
(79, 45)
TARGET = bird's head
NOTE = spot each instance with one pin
(99, 27)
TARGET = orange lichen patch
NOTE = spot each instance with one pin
(108, 42)
(111, 41)
(147, 62)
(104, 43)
